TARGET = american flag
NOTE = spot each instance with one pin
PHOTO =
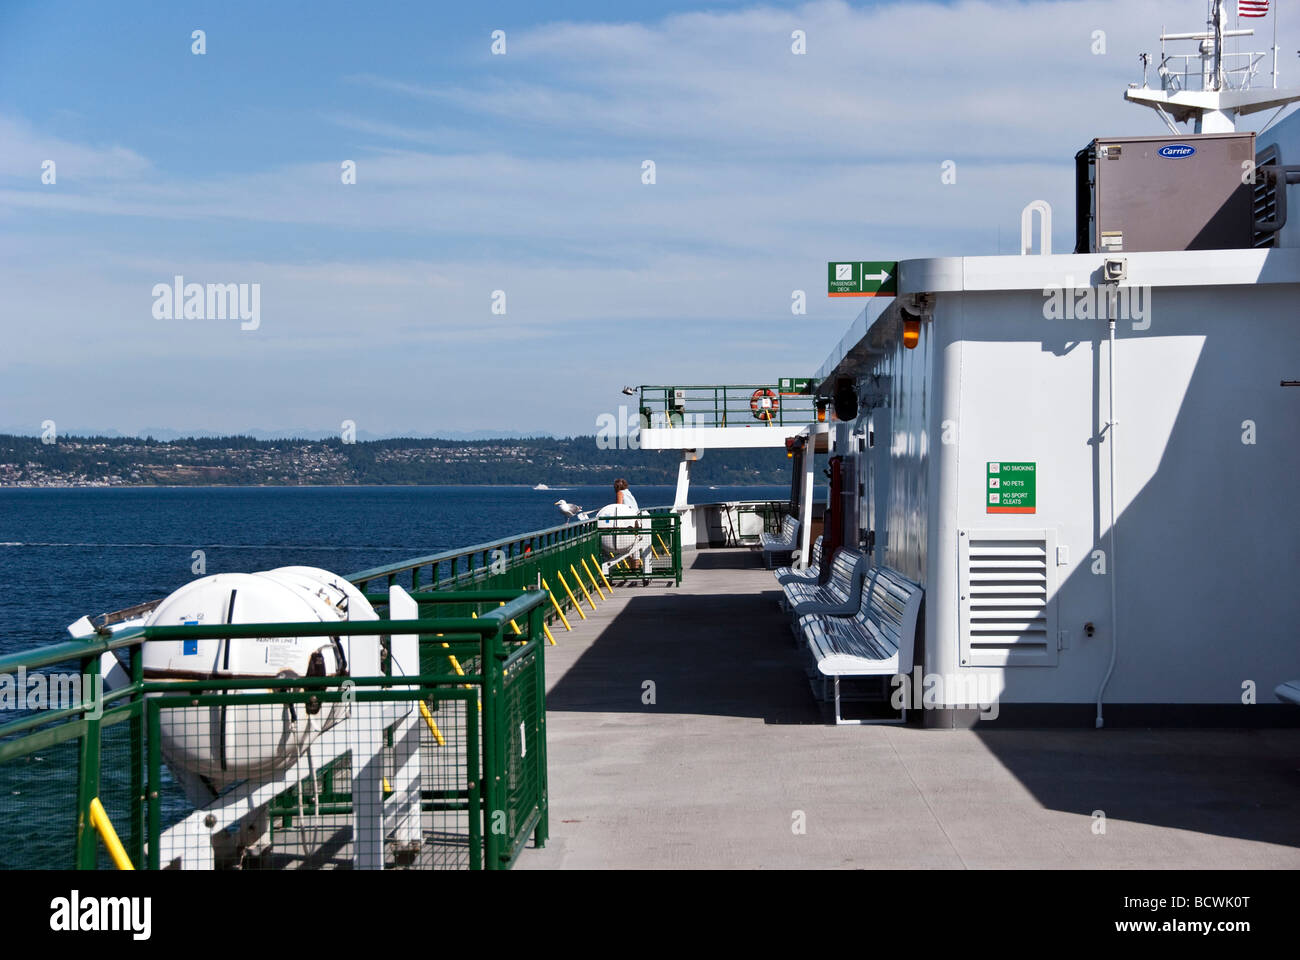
(1252, 8)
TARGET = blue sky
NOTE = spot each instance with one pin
(519, 173)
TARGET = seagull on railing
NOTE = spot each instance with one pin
(571, 510)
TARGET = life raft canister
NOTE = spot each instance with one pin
(764, 403)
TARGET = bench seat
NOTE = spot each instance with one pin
(877, 640)
(780, 544)
(840, 595)
(812, 572)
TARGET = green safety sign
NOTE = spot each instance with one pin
(1010, 487)
(795, 385)
(862, 278)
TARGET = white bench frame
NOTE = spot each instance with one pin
(786, 542)
(852, 589)
(789, 574)
(831, 663)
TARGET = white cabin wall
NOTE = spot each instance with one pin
(1206, 535)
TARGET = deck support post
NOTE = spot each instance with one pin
(682, 497)
(806, 508)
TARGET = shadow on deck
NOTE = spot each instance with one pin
(708, 774)
(716, 646)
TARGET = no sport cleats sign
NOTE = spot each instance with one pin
(862, 278)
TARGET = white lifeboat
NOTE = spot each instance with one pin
(230, 743)
(622, 517)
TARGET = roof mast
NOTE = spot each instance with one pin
(1210, 94)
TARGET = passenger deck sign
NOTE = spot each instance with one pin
(1010, 487)
(862, 278)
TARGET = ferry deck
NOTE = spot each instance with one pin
(735, 765)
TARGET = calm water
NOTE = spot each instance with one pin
(65, 553)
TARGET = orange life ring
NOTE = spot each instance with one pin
(760, 409)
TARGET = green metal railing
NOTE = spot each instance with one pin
(551, 557)
(724, 405)
(482, 631)
(498, 779)
(655, 543)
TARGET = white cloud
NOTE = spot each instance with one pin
(768, 165)
(23, 150)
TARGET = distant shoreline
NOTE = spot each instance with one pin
(351, 486)
(73, 463)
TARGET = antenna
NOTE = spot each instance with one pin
(1210, 88)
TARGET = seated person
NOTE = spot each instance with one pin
(623, 495)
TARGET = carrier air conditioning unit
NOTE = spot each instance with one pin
(1135, 194)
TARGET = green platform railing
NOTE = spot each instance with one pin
(500, 782)
(723, 405)
(482, 638)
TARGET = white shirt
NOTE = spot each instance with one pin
(629, 500)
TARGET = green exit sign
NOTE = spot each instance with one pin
(862, 278)
(1010, 487)
(795, 386)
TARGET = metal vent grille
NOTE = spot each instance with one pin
(1008, 598)
(1266, 195)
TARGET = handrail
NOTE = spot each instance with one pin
(391, 569)
(489, 623)
(720, 405)
(64, 651)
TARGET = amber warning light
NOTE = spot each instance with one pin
(911, 333)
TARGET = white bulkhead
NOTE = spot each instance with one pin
(1201, 550)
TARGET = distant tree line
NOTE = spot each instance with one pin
(245, 460)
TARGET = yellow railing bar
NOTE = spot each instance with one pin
(99, 820)
(433, 727)
(582, 586)
(563, 618)
(468, 685)
(590, 576)
(455, 665)
(608, 585)
(565, 585)
(667, 552)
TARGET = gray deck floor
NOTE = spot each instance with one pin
(733, 753)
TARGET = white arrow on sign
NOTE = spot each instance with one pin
(882, 277)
